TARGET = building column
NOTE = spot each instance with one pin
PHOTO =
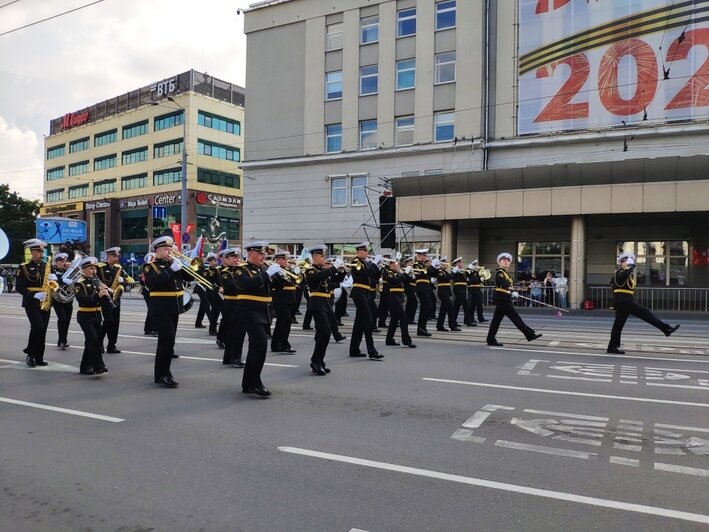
(577, 270)
(449, 230)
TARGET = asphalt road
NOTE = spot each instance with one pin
(454, 435)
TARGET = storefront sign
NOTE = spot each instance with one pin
(131, 203)
(74, 119)
(208, 198)
(167, 199)
(101, 204)
(57, 209)
(164, 87)
(60, 230)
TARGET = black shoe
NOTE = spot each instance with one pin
(456, 329)
(87, 371)
(615, 351)
(212, 333)
(290, 351)
(412, 346)
(442, 329)
(376, 330)
(357, 355)
(376, 355)
(113, 350)
(339, 324)
(149, 333)
(199, 326)
(167, 381)
(65, 346)
(422, 332)
(220, 344)
(317, 369)
(237, 362)
(534, 337)
(101, 370)
(42, 363)
(670, 329)
(482, 320)
(258, 390)
(174, 356)
(494, 343)
(340, 339)
(298, 312)
(308, 328)
(391, 342)
(382, 325)
(31, 362)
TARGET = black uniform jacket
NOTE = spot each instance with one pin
(253, 293)
(87, 297)
(444, 279)
(474, 279)
(459, 281)
(396, 282)
(283, 289)
(503, 286)
(317, 277)
(423, 274)
(108, 274)
(362, 276)
(228, 283)
(623, 283)
(29, 279)
(165, 287)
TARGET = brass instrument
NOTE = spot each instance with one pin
(48, 287)
(116, 287)
(296, 278)
(65, 292)
(186, 267)
(484, 274)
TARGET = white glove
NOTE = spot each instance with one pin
(41, 296)
(52, 277)
(339, 263)
(456, 269)
(273, 269)
(176, 266)
(408, 270)
(377, 259)
(630, 261)
(68, 281)
(515, 295)
(296, 270)
(120, 279)
(435, 263)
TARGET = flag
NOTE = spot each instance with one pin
(222, 247)
(197, 250)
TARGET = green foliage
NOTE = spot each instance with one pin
(17, 220)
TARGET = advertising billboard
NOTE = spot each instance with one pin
(605, 63)
(58, 230)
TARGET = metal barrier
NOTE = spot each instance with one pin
(657, 298)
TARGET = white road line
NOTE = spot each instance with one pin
(61, 410)
(632, 462)
(604, 355)
(680, 427)
(474, 421)
(570, 378)
(625, 447)
(564, 414)
(681, 469)
(554, 343)
(545, 450)
(685, 386)
(679, 370)
(503, 486)
(492, 408)
(564, 392)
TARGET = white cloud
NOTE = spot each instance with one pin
(20, 166)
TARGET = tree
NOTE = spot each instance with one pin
(17, 220)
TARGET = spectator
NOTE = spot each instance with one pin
(535, 287)
(548, 285)
(561, 287)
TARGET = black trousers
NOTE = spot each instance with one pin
(476, 304)
(461, 300)
(363, 323)
(215, 309)
(341, 305)
(256, 357)
(204, 309)
(148, 326)
(166, 325)
(624, 309)
(383, 310)
(63, 312)
(90, 323)
(334, 329)
(222, 333)
(235, 337)
(322, 334)
(502, 309)
(398, 320)
(446, 310)
(427, 306)
(109, 329)
(307, 319)
(373, 308)
(412, 303)
(39, 321)
(298, 299)
(284, 318)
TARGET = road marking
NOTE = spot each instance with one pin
(545, 450)
(53, 366)
(564, 392)
(61, 410)
(681, 469)
(568, 377)
(527, 368)
(632, 462)
(474, 421)
(564, 414)
(681, 427)
(604, 355)
(504, 486)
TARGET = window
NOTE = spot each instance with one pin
(333, 37)
(406, 74)
(55, 173)
(333, 85)
(104, 187)
(445, 67)
(404, 131)
(78, 192)
(333, 138)
(369, 29)
(445, 15)
(55, 195)
(172, 216)
(219, 123)
(165, 177)
(79, 145)
(135, 156)
(79, 168)
(101, 163)
(134, 224)
(662, 263)
(56, 151)
(406, 22)
(359, 191)
(541, 257)
(215, 177)
(165, 149)
(169, 120)
(135, 130)
(444, 128)
(218, 150)
(107, 137)
(367, 134)
(134, 181)
(368, 80)
(338, 191)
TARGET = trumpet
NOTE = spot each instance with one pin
(296, 278)
(186, 267)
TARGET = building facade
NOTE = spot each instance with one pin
(560, 131)
(119, 164)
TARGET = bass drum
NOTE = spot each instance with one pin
(187, 302)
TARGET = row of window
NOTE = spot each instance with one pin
(445, 18)
(443, 130)
(348, 190)
(137, 129)
(220, 151)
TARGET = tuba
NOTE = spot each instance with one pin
(484, 274)
(65, 292)
(48, 287)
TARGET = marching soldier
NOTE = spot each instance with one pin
(444, 281)
(283, 300)
(623, 283)
(164, 280)
(202, 292)
(148, 326)
(62, 310)
(230, 330)
(363, 277)
(211, 273)
(423, 272)
(475, 284)
(502, 298)
(110, 273)
(396, 279)
(383, 310)
(412, 302)
(460, 294)
(91, 295)
(30, 279)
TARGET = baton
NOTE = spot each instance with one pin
(545, 304)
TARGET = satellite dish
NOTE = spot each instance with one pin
(4, 245)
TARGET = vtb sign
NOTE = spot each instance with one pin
(74, 119)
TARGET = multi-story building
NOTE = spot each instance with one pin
(118, 164)
(561, 131)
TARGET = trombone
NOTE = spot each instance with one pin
(186, 264)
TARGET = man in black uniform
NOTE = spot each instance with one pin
(232, 331)
(460, 294)
(148, 325)
(362, 275)
(202, 292)
(211, 273)
(29, 280)
(503, 303)
(61, 309)
(412, 301)
(444, 282)
(91, 295)
(423, 272)
(396, 279)
(110, 273)
(283, 295)
(164, 280)
(623, 283)
(475, 284)
(383, 309)
(251, 310)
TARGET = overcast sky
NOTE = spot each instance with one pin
(79, 59)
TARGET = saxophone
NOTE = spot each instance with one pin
(48, 287)
(116, 286)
